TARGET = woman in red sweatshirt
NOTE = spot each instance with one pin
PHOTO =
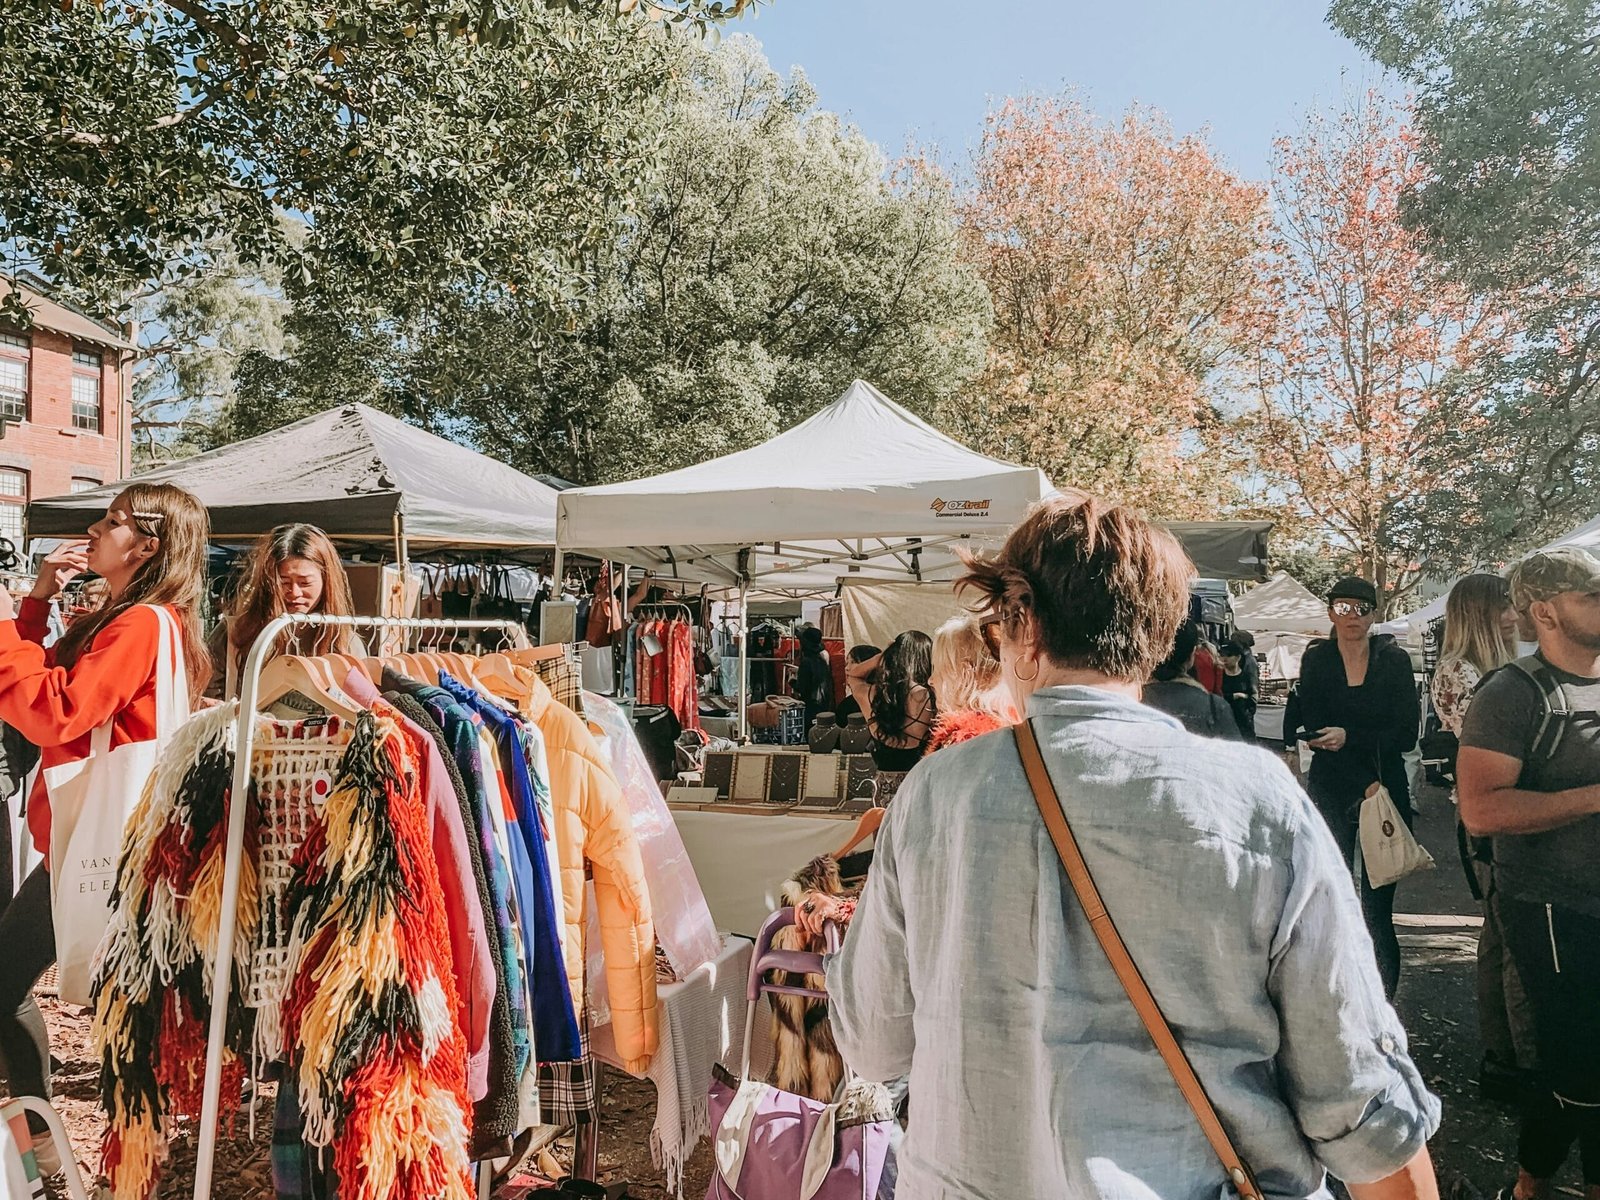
(150, 548)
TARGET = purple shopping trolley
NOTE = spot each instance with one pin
(770, 1144)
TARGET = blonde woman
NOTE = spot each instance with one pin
(966, 678)
(1480, 636)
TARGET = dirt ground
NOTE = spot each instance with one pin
(1438, 929)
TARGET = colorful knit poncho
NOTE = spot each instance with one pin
(378, 1057)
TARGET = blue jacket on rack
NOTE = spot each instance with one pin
(555, 1024)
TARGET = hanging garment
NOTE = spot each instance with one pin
(471, 960)
(659, 663)
(378, 1056)
(682, 919)
(683, 690)
(496, 1117)
(593, 824)
(500, 1056)
(555, 1023)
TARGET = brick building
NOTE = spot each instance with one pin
(65, 387)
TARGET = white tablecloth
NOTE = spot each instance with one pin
(702, 1022)
(742, 859)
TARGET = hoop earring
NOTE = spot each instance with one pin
(1027, 678)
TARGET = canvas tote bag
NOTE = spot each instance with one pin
(90, 802)
(1388, 849)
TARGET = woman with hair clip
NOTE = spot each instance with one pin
(898, 701)
(293, 569)
(150, 549)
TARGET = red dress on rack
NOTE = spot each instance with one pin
(683, 691)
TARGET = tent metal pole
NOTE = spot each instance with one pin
(402, 558)
(744, 660)
(555, 572)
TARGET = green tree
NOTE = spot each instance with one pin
(420, 142)
(1507, 100)
(772, 258)
(193, 334)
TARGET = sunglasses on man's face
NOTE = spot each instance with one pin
(1353, 608)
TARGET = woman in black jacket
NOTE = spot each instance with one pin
(1358, 695)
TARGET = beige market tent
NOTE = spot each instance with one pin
(360, 474)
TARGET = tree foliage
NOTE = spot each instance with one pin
(1367, 348)
(193, 334)
(768, 261)
(1508, 106)
(419, 142)
(1121, 260)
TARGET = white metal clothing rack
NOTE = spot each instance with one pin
(222, 961)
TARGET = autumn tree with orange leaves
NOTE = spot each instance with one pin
(1368, 350)
(1122, 263)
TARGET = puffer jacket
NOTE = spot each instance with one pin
(596, 825)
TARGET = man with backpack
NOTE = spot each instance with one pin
(1528, 775)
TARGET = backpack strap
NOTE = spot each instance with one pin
(1556, 711)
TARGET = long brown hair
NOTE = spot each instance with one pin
(260, 600)
(173, 577)
(1472, 623)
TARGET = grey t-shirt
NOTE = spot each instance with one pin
(1559, 866)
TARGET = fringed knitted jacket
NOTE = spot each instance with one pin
(369, 1011)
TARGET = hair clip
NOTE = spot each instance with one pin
(149, 516)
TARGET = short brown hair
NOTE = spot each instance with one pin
(1107, 588)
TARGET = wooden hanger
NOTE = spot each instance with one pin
(291, 673)
(865, 828)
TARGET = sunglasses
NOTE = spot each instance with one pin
(1353, 608)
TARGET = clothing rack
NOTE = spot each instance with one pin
(233, 853)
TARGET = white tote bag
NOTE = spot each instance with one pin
(1388, 849)
(90, 802)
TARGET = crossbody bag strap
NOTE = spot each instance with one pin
(1127, 972)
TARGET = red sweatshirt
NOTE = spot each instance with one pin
(57, 708)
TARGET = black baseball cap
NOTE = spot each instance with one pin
(1353, 587)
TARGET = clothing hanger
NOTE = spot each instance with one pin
(291, 673)
(865, 828)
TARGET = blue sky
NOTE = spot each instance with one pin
(928, 71)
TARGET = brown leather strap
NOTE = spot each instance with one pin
(1055, 821)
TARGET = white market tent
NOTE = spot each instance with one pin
(863, 489)
(861, 492)
(1285, 616)
(1281, 605)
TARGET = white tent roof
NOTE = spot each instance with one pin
(863, 490)
(1281, 605)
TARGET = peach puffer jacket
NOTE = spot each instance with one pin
(594, 823)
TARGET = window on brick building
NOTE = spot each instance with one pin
(86, 390)
(82, 483)
(13, 503)
(15, 351)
